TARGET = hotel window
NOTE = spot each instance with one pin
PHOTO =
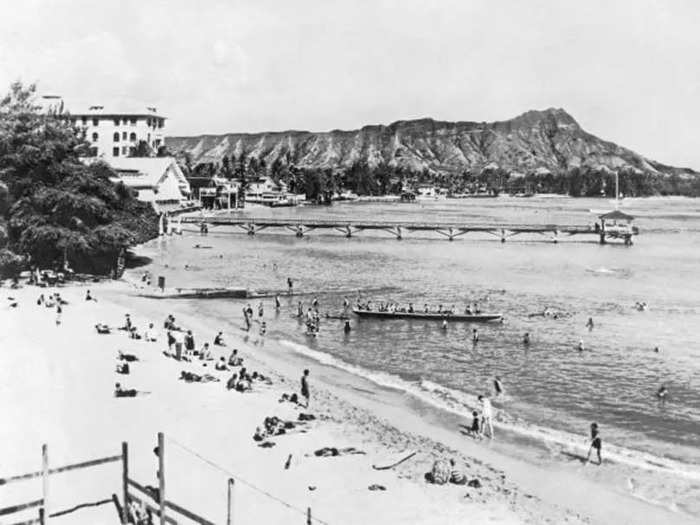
(115, 151)
(132, 137)
(95, 122)
(84, 119)
(124, 122)
(116, 136)
(124, 135)
(148, 122)
(95, 137)
(116, 121)
(160, 123)
(133, 121)
(125, 150)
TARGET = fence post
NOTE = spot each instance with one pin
(125, 482)
(161, 476)
(308, 515)
(229, 510)
(45, 481)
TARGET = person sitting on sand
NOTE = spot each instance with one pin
(89, 297)
(205, 353)
(122, 392)
(596, 443)
(123, 368)
(40, 300)
(219, 339)
(221, 364)
(102, 328)
(149, 335)
(259, 435)
(234, 359)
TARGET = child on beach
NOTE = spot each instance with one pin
(475, 429)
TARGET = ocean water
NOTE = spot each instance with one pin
(552, 391)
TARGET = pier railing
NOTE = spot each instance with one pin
(449, 230)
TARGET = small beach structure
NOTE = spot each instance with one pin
(617, 225)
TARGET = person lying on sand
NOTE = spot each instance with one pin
(127, 357)
(102, 328)
(191, 377)
(122, 392)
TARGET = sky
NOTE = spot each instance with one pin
(627, 71)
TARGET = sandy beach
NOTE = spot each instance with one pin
(57, 388)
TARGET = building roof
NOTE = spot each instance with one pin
(114, 110)
(615, 215)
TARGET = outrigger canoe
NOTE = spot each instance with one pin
(431, 316)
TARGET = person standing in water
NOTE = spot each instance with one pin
(290, 286)
(475, 336)
(346, 304)
(581, 347)
(300, 309)
(662, 393)
(498, 386)
(278, 304)
(526, 339)
(347, 327)
(589, 324)
(596, 443)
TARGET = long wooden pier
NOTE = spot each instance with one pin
(449, 230)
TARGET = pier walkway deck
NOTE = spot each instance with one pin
(449, 230)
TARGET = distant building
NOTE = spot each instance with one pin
(158, 180)
(113, 131)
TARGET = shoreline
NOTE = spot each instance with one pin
(523, 484)
(357, 407)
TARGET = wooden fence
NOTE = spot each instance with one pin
(152, 499)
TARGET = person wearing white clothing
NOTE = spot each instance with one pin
(486, 415)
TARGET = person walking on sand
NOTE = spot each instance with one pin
(305, 387)
(59, 311)
(596, 443)
(486, 416)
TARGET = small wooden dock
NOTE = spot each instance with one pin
(398, 229)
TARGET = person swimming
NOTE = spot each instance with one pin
(581, 347)
(662, 393)
(526, 338)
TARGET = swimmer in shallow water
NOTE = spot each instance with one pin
(662, 393)
(526, 339)
(498, 386)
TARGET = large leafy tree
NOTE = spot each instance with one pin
(53, 207)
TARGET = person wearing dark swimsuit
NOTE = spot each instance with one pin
(596, 443)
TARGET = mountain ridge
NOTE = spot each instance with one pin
(536, 140)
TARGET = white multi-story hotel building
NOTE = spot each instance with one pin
(114, 133)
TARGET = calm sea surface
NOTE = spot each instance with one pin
(550, 387)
